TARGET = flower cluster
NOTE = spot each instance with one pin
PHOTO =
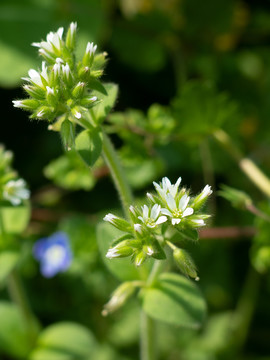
(170, 207)
(61, 89)
(12, 188)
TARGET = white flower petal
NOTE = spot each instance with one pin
(155, 211)
(175, 221)
(183, 202)
(161, 220)
(187, 212)
(166, 212)
(171, 202)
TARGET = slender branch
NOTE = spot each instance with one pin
(148, 346)
(246, 165)
(229, 232)
(117, 174)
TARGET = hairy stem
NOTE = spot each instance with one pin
(148, 348)
(246, 165)
(117, 174)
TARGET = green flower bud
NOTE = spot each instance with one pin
(51, 96)
(88, 57)
(200, 199)
(34, 91)
(119, 223)
(96, 73)
(185, 263)
(123, 249)
(27, 104)
(88, 101)
(71, 36)
(78, 90)
(140, 258)
(119, 297)
(67, 134)
(43, 112)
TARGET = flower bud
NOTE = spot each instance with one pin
(34, 91)
(88, 101)
(71, 36)
(119, 297)
(140, 258)
(67, 134)
(78, 90)
(119, 223)
(43, 112)
(185, 263)
(88, 57)
(123, 249)
(27, 104)
(200, 199)
(51, 96)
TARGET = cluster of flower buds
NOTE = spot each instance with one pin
(62, 88)
(12, 188)
(145, 236)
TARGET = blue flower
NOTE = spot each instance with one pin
(53, 253)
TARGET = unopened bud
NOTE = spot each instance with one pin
(118, 222)
(200, 199)
(88, 57)
(34, 91)
(71, 36)
(119, 297)
(140, 258)
(67, 134)
(88, 101)
(123, 249)
(185, 262)
(78, 90)
(43, 112)
(27, 104)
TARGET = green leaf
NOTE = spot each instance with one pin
(176, 300)
(122, 268)
(107, 102)
(89, 145)
(189, 234)
(8, 260)
(14, 338)
(14, 219)
(70, 172)
(64, 341)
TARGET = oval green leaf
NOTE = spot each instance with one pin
(8, 260)
(64, 341)
(14, 218)
(89, 145)
(175, 300)
(14, 337)
(107, 102)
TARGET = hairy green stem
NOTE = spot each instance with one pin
(117, 174)
(246, 165)
(245, 309)
(18, 296)
(148, 346)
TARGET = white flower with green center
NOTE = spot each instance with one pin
(150, 217)
(177, 209)
(167, 188)
(15, 191)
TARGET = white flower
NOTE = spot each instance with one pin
(177, 211)
(167, 188)
(15, 191)
(36, 78)
(151, 217)
(91, 48)
(52, 44)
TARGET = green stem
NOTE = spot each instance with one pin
(148, 328)
(245, 309)
(246, 165)
(148, 345)
(117, 174)
(18, 296)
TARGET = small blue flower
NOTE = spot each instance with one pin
(53, 253)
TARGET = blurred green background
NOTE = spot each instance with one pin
(207, 66)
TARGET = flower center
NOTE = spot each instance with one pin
(55, 254)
